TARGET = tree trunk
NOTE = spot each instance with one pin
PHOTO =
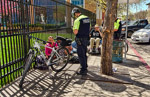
(106, 59)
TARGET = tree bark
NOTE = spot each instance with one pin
(106, 59)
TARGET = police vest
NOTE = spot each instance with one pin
(118, 26)
(84, 28)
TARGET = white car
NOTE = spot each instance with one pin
(142, 35)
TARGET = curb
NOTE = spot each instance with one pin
(139, 56)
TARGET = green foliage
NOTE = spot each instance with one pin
(102, 4)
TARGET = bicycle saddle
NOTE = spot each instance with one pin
(60, 38)
(64, 41)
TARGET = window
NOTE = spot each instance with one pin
(142, 23)
(77, 2)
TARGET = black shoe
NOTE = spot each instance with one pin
(82, 72)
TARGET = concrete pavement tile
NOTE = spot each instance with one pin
(100, 89)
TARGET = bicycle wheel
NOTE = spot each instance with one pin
(28, 62)
(125, 44)
(60, 59)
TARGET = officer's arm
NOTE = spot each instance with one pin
(101, 34)
(76, 26)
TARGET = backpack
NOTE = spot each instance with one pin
(39, 59)
(40, 63)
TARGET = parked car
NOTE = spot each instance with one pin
(134, 26)
(142, 35)
(129, 23)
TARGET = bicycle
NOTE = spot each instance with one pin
(125, 44)
(58, 59)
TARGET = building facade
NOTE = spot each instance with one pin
(63, 12)
(92, 6)
(148, 15)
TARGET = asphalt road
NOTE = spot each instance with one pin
(143, 49)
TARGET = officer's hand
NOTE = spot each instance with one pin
(115, 29)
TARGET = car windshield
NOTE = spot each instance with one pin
(132, 22)
(147, 27)
(135, 23)
(129, 22)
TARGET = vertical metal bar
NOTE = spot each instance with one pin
(126, 29)
(17, 29)
(35, 10)
(23, 26)
(17, 54)
(5, 43)
(56, 19)
(2, 56)
(17, 49)
(11, 69)
(18, 15)
(14, 50)
(29, 19)
(8, 51)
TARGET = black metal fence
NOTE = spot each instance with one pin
(41, 18)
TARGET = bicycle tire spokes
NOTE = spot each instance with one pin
(125, 45)
(28, 62)
(60, 59)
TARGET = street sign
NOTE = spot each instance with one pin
(130, 1)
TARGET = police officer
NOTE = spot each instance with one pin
(117, 28)
(81, 29)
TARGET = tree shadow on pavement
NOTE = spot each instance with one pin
(115, 83)
(106, 83)
(131, 63)
(141, 79)
(31, 86)
(132, 55)
(143, 43)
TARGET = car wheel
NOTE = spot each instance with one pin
(129, 34)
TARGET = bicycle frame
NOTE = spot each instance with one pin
(37, 47)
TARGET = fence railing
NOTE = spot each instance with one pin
(41, 18)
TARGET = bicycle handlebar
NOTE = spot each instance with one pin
(44, 42)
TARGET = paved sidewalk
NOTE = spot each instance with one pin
(132, 79)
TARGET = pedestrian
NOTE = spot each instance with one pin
(117, 28)
(81, 29)
(95, 37)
